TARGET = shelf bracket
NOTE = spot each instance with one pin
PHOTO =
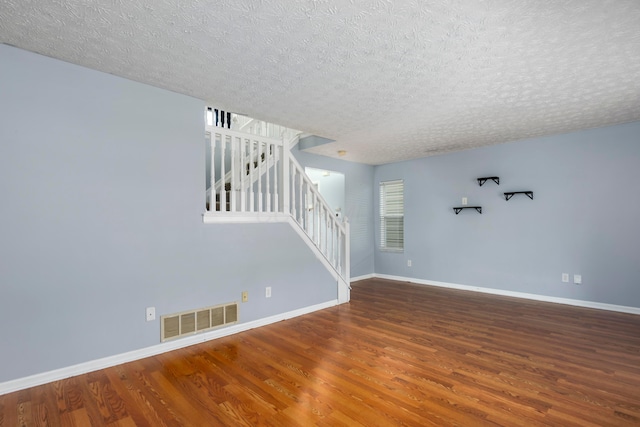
(482, 180)
(510, 194)
(458, 209)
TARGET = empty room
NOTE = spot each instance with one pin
(319, 213)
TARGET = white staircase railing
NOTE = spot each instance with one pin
(249, 182)
(255, 175)
(313, 214)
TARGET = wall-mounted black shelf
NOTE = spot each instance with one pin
(457, 209)
(510, 194)
(482, 180)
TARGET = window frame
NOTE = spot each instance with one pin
(391, 206)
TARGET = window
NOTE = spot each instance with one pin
(392, 216)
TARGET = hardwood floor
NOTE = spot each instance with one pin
(398, 354)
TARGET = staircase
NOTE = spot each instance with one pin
(255, 179)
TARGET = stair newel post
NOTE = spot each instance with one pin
(341, 250)
(212, 173)
(336, 243)
(288, 186)
(320, 224)
(306, 213)
(320, 208)
(304, 203)
(311, 200)
(329, 227)
(267, 175)
(339, 232)
(332, 240)
(252, 153)
(223, 173)
(324, 226)
(346, 271)
(327, 232)
(277, 166)
(260, 176)
(315, 215)
(233, 181)
(243, 174)
(298, 193)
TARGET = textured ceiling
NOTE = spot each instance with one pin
(388, 80)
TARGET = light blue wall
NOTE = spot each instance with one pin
(584, 218)
(331, 186)
(358, 206)
(102, 183)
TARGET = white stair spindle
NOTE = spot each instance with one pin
(325, 229)
(330, 240)
(267, 159)
(304, 203)
(292, 191)
(316, 218)
(212, 173)
(223, 173)
(275, 174)
(233, 183)
(251, 176)
(243, 174)
(260, 177)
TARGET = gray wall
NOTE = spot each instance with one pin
(102, 183)
(358, 206)
(583, 219)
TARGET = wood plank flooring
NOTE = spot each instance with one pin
(397, 354)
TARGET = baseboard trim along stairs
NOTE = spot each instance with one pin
(118, 359)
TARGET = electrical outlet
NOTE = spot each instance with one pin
(565, 277)
(151, 314)
(464, 201)
(245, 296)
(409, 263)
(577, 279)
(267, 292)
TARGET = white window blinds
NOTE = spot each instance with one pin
(392, 215)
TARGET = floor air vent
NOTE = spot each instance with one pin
(193, 321)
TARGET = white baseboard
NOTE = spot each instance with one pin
(545, 298)
(364, 277)
(118, 359)
(106, 362)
